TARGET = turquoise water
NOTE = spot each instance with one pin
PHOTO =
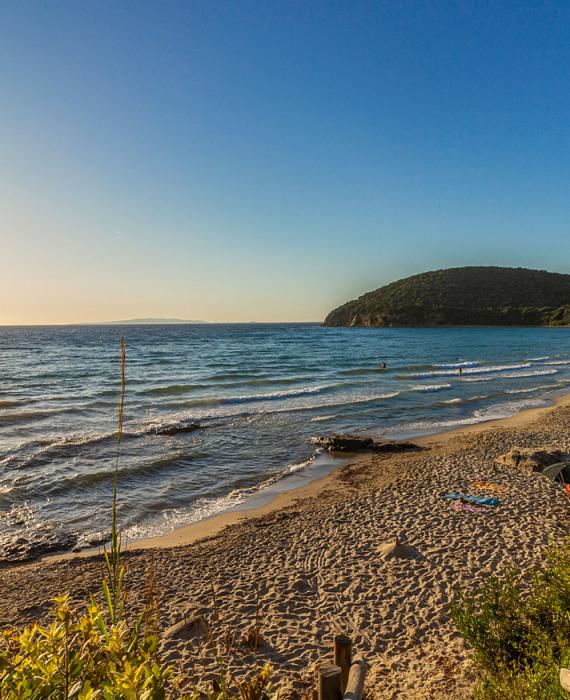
(259, 394)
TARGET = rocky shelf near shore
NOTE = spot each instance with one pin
(360, 443)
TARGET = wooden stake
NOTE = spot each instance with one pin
(343, 657)
(329, 682)
(356, 677)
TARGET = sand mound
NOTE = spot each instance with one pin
(396, 550)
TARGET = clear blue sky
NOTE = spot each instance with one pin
(269, 160)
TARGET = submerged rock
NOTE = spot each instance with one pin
(530, 460)
(360, 443)
(175, 429)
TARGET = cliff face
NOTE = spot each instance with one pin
(465, 296)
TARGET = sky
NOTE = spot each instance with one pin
(267, 161)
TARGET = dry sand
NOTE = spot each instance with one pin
(316, 560)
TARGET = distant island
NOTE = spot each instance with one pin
(463, 296)
(145, 321)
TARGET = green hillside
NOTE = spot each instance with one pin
(463, 296)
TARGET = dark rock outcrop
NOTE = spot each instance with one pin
(175, 429)
(360, 443)
(530, 460)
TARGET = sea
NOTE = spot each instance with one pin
(222, 417)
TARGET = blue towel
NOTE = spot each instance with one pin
(477, 500)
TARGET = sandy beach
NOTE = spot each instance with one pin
(312, 562)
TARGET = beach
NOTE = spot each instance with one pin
(310, 565)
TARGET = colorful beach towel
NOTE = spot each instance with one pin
(488, 486)
(469, 507)
(476, 500)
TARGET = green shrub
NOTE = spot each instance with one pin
(520, 630)
(80, 656)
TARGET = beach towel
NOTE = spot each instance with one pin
(487, 486)
(477, 500)
(469, 507)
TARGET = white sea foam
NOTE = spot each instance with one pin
(531, 389)
(273, 395)
(507, 409)
(347, 400)
(472, 370)
(456, 365)
(512, 375)
(423, 427)
(430, 387)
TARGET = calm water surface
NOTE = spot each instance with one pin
(259, 394)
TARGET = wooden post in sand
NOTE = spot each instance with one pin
(343, 657)
(356, 677)
(329, 682)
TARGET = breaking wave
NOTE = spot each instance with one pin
(472, 370)
(430, 387)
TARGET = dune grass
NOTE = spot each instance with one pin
(519, 629)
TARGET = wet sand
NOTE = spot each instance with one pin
(312, 560)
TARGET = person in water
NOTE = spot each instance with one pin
(382, 365)
(460, 372)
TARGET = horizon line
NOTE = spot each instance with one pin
(150, 323)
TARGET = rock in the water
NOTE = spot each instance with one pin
(360, 443)
(345, 443)
(530, 460)
(175, 429)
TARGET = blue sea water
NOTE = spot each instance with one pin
(258, 392)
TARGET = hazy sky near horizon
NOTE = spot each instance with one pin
(236, 161)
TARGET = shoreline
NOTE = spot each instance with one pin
(213, 525)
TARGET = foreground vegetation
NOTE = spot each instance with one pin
(463, 296)
(520, 631)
